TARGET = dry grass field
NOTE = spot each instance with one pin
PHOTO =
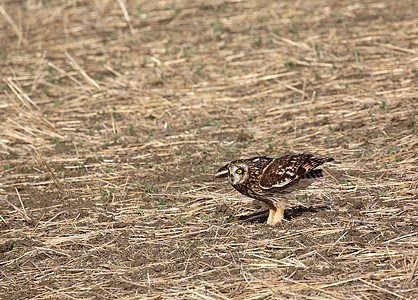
(115, 115)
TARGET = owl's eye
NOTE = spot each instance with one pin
(239, 171)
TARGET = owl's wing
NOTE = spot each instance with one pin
(284, 170)
(222, 172)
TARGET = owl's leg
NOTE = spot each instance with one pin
(278, 216)
(272, 212)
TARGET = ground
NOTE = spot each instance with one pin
(115, 115)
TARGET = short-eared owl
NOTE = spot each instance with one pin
(270, 179)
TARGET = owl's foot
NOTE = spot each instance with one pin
(275, 215)
(272, 212)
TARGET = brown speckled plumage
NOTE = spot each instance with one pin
(270, 179)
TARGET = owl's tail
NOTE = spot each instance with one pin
(316, 173)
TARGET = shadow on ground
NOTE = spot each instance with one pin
(289, 214)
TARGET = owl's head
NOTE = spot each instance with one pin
(236, 171)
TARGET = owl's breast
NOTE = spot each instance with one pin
(253, 191)
(242, 189)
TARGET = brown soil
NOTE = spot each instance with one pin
(116, 114)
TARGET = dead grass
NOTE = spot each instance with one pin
(115, 114)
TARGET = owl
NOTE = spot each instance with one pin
(272, 180)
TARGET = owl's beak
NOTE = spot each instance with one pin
(222, 172)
